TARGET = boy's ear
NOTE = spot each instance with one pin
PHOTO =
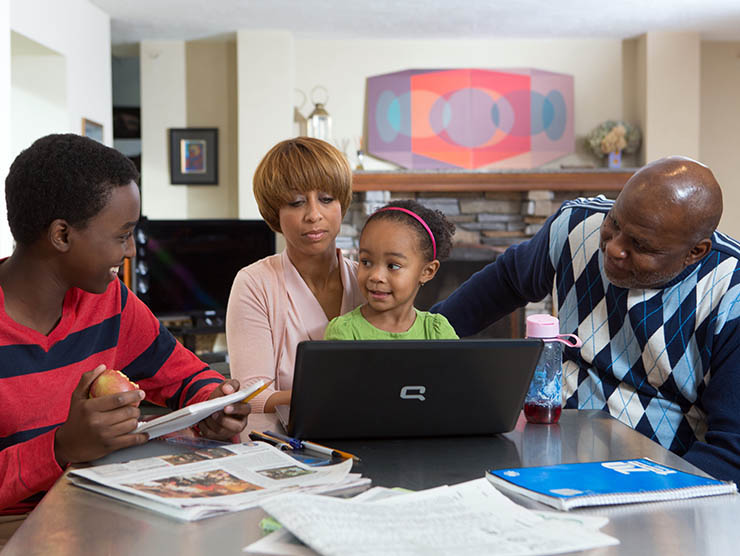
(58, 233)
(429, 271)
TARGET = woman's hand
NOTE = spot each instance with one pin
(281, 397)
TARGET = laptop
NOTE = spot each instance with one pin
(408, 388)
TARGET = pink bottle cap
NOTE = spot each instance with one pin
(543, 326)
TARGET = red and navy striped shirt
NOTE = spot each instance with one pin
(38, 374)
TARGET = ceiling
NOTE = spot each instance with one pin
(136, 20)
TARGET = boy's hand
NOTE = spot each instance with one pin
(99, 426)
(231, 420)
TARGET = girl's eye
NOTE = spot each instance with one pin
(394, 266)
(327, 200)
(296, 203)
(364, 262)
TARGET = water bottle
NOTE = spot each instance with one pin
(543, 402)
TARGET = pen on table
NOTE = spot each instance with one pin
(294, 442)
(260, 389)
(328, 451)
(300, 444)
(254, 435)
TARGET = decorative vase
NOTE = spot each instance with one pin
(615, 159)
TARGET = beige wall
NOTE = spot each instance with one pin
(685, 95)
(633, 90)
(720, 122)
(342, 66)
(272, 63)
(163, 106)
(672, 103)
(681, 92)
(188, 84)
(211, 102)
(265, 82)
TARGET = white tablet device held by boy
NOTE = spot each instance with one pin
(192, 414)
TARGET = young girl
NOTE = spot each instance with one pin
(400, 248)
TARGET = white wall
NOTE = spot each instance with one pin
(6, 240)
(38, 92)
(163, 106)
(80, 32)
(265, 81)
(720, 120)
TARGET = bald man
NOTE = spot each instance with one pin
(652, 289)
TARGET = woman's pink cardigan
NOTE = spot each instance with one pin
(271, 310)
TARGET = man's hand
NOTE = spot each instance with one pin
(231, 420)
(99, 426)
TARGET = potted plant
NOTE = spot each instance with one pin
(611, 138)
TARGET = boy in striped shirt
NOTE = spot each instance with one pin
(65, 316)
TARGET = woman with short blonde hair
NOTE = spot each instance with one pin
(303, 188)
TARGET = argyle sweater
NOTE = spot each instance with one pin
(664, 361)
(38, 374)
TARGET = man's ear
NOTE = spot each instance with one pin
(698, 251)
(58, 233)
(429, 271)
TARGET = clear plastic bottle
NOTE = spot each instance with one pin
(543, 403)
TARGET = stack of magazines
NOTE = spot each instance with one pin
(212, 480)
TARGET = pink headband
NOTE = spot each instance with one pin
(421, 221)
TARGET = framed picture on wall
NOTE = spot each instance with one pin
(93, 130)
(194, 156)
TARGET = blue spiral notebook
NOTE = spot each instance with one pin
(572, 485)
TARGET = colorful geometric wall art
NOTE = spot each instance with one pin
(470, 118)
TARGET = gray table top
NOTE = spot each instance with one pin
(70, 520)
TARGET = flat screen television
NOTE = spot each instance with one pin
(185, 268)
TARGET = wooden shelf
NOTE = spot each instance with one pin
(446, 181)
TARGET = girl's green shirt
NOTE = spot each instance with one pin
(353, 326)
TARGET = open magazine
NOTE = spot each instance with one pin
(214, 480)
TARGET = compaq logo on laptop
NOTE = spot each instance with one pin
(413, 393)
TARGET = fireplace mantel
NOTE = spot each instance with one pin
(591, 179)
